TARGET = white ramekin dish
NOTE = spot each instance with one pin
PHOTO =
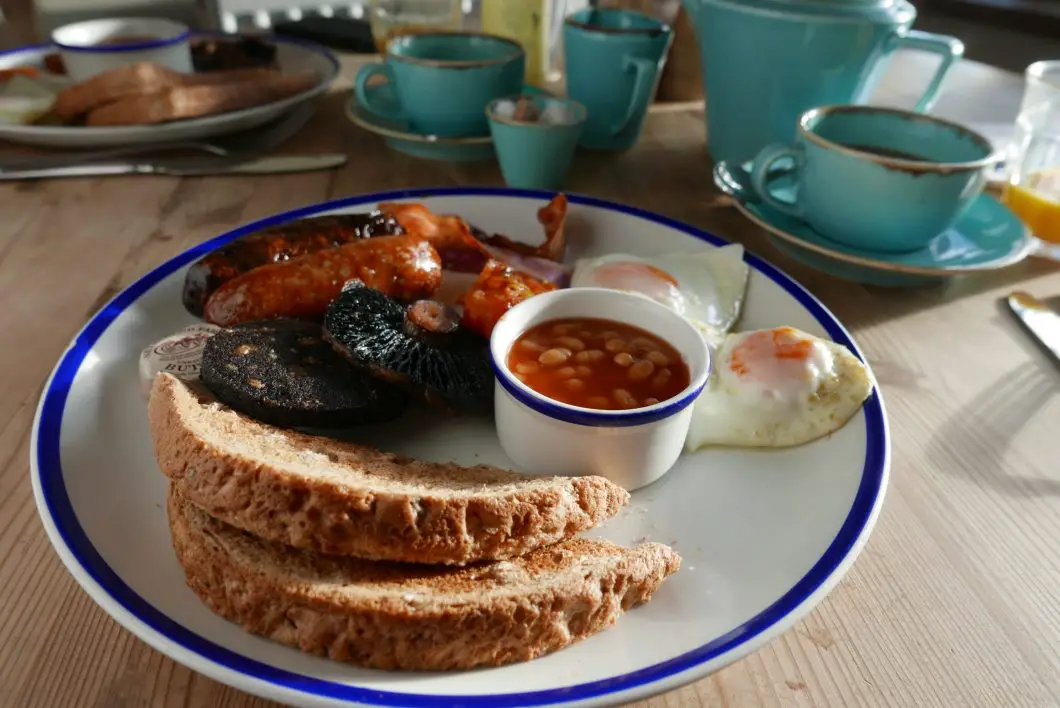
(165, 42)
(632, 448)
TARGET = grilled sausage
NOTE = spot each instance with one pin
(403, 267)
(276, 245)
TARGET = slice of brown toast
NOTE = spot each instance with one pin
(195, 101)
(414, 617)
(112, 85)
(340, 498)
(142, 79)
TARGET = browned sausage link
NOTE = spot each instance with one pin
(404, 267)
(276, 245)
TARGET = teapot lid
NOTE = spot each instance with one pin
(892, 10)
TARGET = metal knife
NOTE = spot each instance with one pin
(186, 167)
(1039, 319)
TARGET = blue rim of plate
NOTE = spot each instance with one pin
(121, 48)
(54, 502)
(276, 38)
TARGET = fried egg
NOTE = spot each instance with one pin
(24, 100)
(707, 287)
(777, 388)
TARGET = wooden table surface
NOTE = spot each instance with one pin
(952, 603)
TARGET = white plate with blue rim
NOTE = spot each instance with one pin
(292, 56)
(764, 534)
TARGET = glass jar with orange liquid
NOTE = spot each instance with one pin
(393, 18)
(1032, 165)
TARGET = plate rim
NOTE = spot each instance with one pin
(229, 666)
(12, 131)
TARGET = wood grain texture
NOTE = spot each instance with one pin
(952, 602)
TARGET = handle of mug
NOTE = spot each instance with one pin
(644, 73)
(766, 158)
(360, 90)
(950, 49)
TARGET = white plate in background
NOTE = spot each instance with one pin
(292, 56)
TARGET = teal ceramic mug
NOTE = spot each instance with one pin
(613, 60)
(444, 80)
(880, 179)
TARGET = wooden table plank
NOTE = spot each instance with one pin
(952, 602)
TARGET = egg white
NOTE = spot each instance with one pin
(814, 398)
(24, 100)
(712, 284)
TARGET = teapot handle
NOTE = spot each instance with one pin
(950, 49)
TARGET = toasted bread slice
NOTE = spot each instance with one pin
(340, 498)
(399, 616)
(112, 85)
(196, 101)
(142, 79)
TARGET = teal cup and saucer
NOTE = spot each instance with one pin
(401, 138)
(535, 136)
(985, 237)
(881, 196)
(441, 81)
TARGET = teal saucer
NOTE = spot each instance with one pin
(400, 137)
(987, 236)
(850, 271)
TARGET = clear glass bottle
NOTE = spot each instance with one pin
(538, 26)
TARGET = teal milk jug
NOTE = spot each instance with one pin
(765, 62)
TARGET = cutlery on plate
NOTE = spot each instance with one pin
(186, 167)
(1039, 319)
(245, 143)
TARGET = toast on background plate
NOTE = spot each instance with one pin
(400, 616)
(140, 79)
(340, 498)
(198, 100)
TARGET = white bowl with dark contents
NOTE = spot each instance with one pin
(596, 381)
(94, 46)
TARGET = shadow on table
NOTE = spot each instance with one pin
(975, 443)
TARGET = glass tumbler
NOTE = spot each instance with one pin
(393, 18)
(1032, 165)
(1032, 188)
(1041, 95)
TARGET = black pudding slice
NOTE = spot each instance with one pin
(420, 346)
(282, 372)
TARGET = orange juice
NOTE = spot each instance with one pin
(1036, 201)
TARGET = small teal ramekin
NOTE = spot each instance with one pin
(535, 136)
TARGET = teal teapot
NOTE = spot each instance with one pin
(765, 62)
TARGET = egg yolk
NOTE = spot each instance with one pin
(641, 278)
(779, 359)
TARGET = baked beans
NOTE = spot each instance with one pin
(595, 363)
